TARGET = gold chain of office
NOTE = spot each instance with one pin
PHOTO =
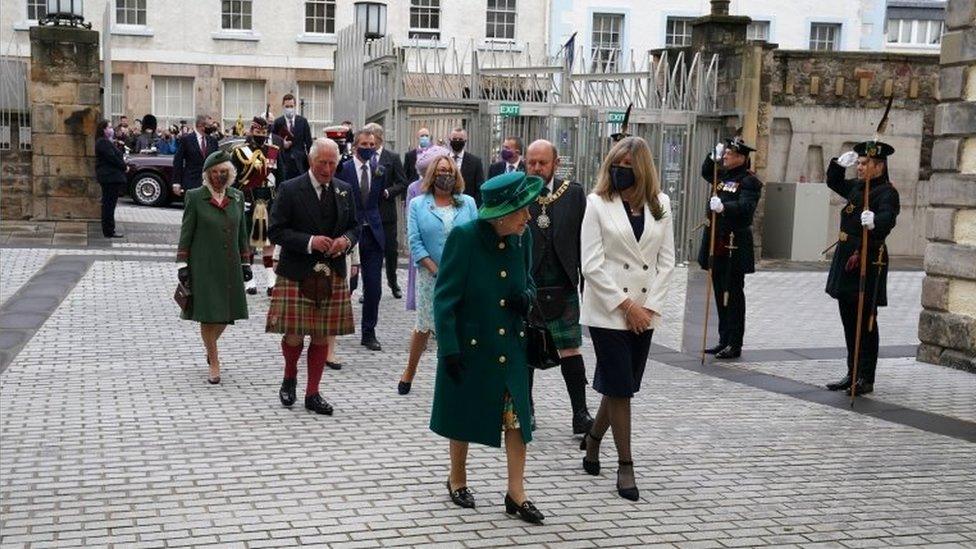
(543, 221)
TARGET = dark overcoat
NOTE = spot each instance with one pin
(739, 190)
(478, 274)
(566, 215)
(884, 202)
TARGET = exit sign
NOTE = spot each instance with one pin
(509, 109)
(615, 117)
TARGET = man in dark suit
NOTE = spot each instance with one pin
(388, 162)
(314, 221)
(410, 159)
(368, 186)
(192, 150)
(511, 154)
(296, 137)
(472, 170)
(556, 269)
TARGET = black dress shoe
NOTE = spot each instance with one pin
(334, 365)
(841, 385)
(317, 404)
(729, 352)
(863, 387)
(632, 493)
(462, 497)
(715, 349)
(397, 292)
(526, 511)
(582, 422)
(403, 387)
(372, 344)
(287, 392)
(591, 467)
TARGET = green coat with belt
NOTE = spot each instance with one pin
(478, 273)
(214, 243)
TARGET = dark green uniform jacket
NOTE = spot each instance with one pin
(739, 190)
(478, 274)
(883, 201)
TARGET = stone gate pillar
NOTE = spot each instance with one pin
(65, 106)
(947, 325)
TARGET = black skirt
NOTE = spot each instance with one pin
(620, 359)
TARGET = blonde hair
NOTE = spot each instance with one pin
(427, 184)
(646, 179)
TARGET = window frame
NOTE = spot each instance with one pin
(759, 23)
(231, 14)
(166, 118)
(604, 53)
(245, 116)
(118, 92)
(124, 7)
(306, 19)
(510, 10)
(38, 5)
(669, 34)
(914, 29)
(833, 43)
(432, 11)
(316, 123)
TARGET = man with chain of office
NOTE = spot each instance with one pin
(557, 219)
(258, 171)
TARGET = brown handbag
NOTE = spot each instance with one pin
(317, 287)
(183, 297)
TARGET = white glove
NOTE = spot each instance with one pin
(867, 219)
(719, 151)
(847, 159)
(716, 205)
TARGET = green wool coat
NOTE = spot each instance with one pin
(214, 242)
(478, 274)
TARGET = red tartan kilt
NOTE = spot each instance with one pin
(291, 313)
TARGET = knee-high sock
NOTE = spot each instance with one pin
(316, 364)
(574, 374)
(291, 354)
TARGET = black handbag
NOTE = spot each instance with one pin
(541, 351)
(183, 297)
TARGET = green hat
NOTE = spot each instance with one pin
(218, 157)
(874, 149)
(507, 193)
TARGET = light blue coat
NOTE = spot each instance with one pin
(425, 228)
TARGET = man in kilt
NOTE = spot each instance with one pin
(314, 222)
(557, 220)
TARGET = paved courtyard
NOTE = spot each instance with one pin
(110, 436)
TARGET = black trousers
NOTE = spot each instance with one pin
(110, 198)
(731, 316)
(869, 340)
(391, 254)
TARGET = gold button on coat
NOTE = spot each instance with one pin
(502, 359)
(501, 331)
(501, 245)
(474, 341)
(503, 274)
(501, 302)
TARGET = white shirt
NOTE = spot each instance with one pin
(201, 140)
(511, 167)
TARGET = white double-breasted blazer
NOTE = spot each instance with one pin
(616, 265)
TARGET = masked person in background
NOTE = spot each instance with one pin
(472, 170)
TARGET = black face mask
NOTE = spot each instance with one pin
(445, 182)
(457, 145)
(622, 177)
(259, 139)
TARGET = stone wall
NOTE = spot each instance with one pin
(947, 325)
(15, 178)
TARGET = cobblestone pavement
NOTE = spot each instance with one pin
(109, 435)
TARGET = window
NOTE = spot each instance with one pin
(5, 135)
(130, 12)
(172, 99)
(320, 16)
(315, 99)
(915, 32)
(243, 99)
(824, 36)
(425, 19)
(678, 32)
(117, 106)
(758, 30)
(501, 20)
(235, 15)
(605, 49)
(36, 9)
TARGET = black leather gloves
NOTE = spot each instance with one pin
(183, 275)
(453, 367)
(246, 271)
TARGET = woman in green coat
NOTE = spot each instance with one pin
(215, 255)
(481, 297)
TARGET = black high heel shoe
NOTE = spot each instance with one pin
(591, 467)
(526, 511)
(632, 493)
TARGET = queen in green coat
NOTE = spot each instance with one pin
(215, 255)
(481, 297)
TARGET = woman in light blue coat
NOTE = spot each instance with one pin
(431, 215)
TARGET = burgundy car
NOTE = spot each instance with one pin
(150, 178)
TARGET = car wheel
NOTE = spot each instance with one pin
(149, 190)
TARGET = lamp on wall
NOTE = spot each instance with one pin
(371, 16)
(65, 13)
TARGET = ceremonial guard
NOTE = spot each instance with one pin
(860, 291)
(258, 171)
(735, 194)
(558, 219)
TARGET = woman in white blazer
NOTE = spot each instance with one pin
(627, 260)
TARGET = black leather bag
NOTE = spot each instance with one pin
(183, 297)
(541, 351)
(551, 302)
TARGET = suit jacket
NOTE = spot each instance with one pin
(296, 217)
(425, 228)
(498, 168)
(410, 165)
(188, 160)
(109, 163)
(473, 173)
(295, 159)
(367, 208)
(566, 214)
(396, 185)
(617, 266)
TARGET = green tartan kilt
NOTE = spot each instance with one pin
(291, 313)
(566, 330)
